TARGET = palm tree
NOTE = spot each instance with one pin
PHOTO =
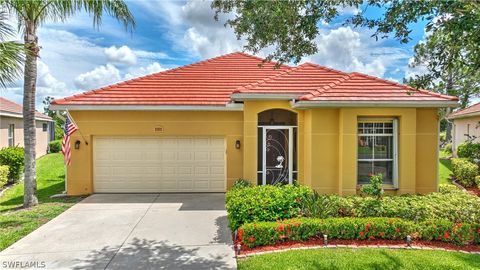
(11, 53)
(30, 15)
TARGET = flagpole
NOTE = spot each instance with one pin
(75, 123)
(66, 175)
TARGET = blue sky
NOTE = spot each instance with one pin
(75, 57)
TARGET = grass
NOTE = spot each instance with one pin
(445, 167)
(362, 258)
(16, 222)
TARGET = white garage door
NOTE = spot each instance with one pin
(165, 164)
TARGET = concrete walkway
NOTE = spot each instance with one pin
(131, 231)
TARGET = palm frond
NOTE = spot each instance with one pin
(115, 8)
(11, 62)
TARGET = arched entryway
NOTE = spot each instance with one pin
(277, 147)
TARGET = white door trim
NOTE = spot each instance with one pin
(290, 151)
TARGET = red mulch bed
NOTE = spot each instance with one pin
(473, 191)
(390, 243)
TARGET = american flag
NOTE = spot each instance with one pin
(68, 130)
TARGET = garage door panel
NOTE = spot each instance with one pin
(166, 164)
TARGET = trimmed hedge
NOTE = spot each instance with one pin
(464, 171)
(54, 146)
(301, 229)
(272, 203)
(13, 157)
(3, 175)
(455, 206)
(264, 203)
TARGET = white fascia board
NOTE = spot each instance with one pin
(14, 115)
(228, 107)
(400, 104)
(261, 96)
(467, 115)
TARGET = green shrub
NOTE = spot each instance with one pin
(3, 175)
(241, 183)
(464, 171)
(412, 207)
(469, 150)
(375, 188)
(325, 206)
(447, 231)
(13, 157)
(272, 203)
(448, 188)
(448, 148)
(477, 181)
(301, 229)
(264, 203)
(55, 146)
(443, 136)
(476, 233)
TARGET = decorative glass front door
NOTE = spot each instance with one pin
(278, 148)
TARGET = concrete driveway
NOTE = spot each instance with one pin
(131, 231)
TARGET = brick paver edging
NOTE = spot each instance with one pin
(413, 247)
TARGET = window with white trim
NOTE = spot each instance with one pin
(377, 150)
(11, 135)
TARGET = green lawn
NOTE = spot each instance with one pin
(362, 258)
(16, 222)
(445, 168)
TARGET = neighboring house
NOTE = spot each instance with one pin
(199, 127)
(11, 127)
(466, 124)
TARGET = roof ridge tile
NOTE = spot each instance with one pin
(265, 80)
(325, 88)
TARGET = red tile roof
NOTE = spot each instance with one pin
(10, 107)
(298, 80)
(209, 82)
(360, 87)
(468, 111)
(213, 81)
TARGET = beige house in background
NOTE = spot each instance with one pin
(11, 127)
(466, 124)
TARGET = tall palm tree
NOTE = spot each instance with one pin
(30, 15)
(11, 53)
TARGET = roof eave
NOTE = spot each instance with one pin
(77, 107)
(361, 103)
(263, 96)
(16, 115)
(465, 115)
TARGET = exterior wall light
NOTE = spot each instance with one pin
(77, 144)
(237, 144)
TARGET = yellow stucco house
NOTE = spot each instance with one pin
(199, 127)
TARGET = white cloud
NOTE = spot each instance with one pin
(141, 71)
(100, 76)
(47, 84)
(348, 50)
(412, 72)
(206, 37)
(121, 55)
(348, 10)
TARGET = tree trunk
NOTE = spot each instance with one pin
(449, 86)
(29, 130)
